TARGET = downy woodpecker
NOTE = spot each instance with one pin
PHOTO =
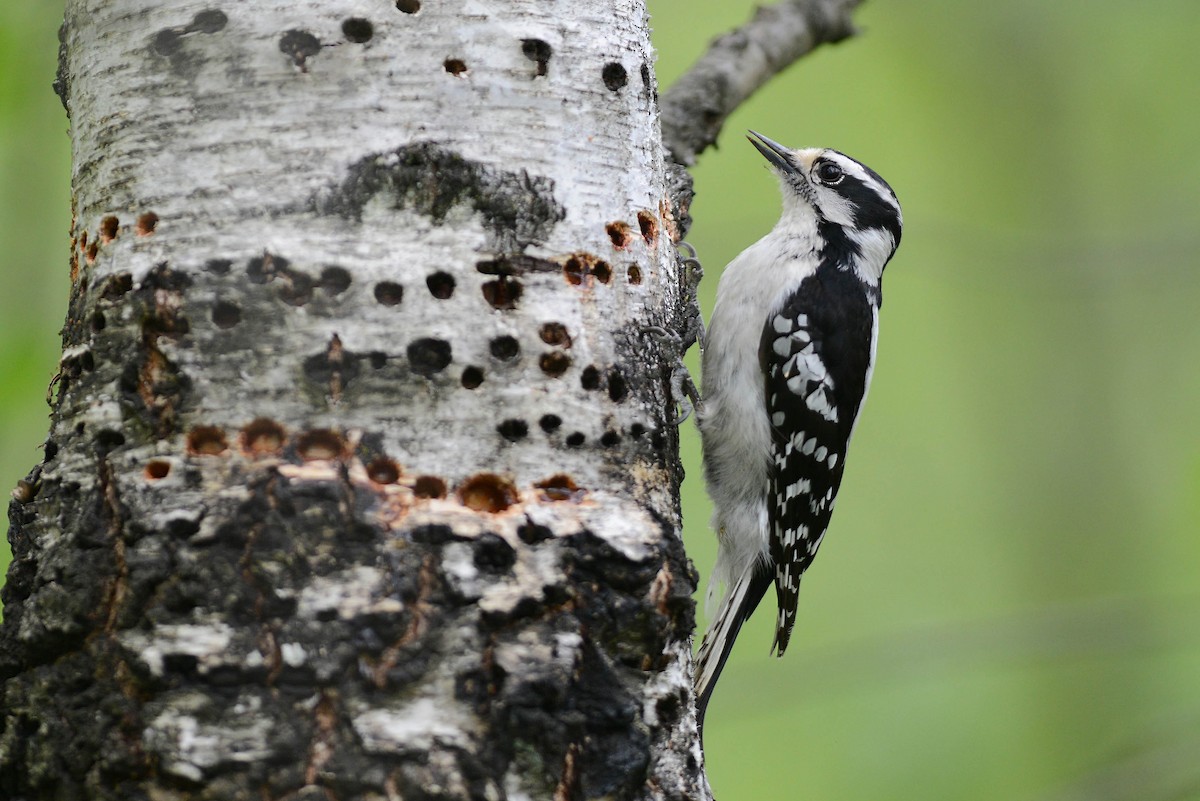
(787, 362)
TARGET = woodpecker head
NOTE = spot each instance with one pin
(856, 213)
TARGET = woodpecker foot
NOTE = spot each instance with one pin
(683, 389)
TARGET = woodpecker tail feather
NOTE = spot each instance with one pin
(737, 606)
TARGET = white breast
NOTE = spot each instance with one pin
(734, 424)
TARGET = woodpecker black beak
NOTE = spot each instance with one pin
(775, 153)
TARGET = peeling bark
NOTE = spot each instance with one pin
(360, 480)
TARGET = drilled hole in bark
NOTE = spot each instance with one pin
(218, 266)
(296, 288)
(503, 293)
(576, 439)
(146, 224)
(106, 438)
(590, 379)
(116, 286)
(610, 439)
(441, 285)
(617, 386)
(648, 226)
(335, 280)
(513, 430)
(378, 359)
(560, 487)
(383, 470)
(614, 76)
(226, 314)
(429, 487)
(538, 52)
(264, 268)
(358, 30)
(487, 492)
(93, 250)
(472, 377)
(550, 422)
(157, 469)
(505, 348)
(408, 6)
(429, 356)
(389, 293)
(108, 229)
(603, 272)
(455, 66)
(635, 274)
(637, 430)
(206, 441)
(554, 363)
(575, 269)
(320, 443)
(555, 334)
(262, 437)
(620, 233)
(98, 321)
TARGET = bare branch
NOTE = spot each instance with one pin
(696, 106)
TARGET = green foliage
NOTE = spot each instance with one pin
(1006, 605)
(35, 217)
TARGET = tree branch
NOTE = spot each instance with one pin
(696, 106)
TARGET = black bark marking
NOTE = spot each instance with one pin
(299, 46)
(517, 208)
(169, 42)
(333, 370)
(358, 30)
(429, 356)
(538, 52)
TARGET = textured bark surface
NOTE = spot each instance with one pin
(360, 481)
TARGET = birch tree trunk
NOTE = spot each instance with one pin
(361, 481)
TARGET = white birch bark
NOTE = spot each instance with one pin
(361, 481)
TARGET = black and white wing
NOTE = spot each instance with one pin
(816, 354)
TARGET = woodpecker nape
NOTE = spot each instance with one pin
(787, 363)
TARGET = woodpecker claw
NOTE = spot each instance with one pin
(683, 389)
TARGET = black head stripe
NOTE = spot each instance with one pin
(875, 202)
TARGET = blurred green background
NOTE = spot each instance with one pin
(1007, 604)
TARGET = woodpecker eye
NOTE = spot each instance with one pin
(829, 173)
